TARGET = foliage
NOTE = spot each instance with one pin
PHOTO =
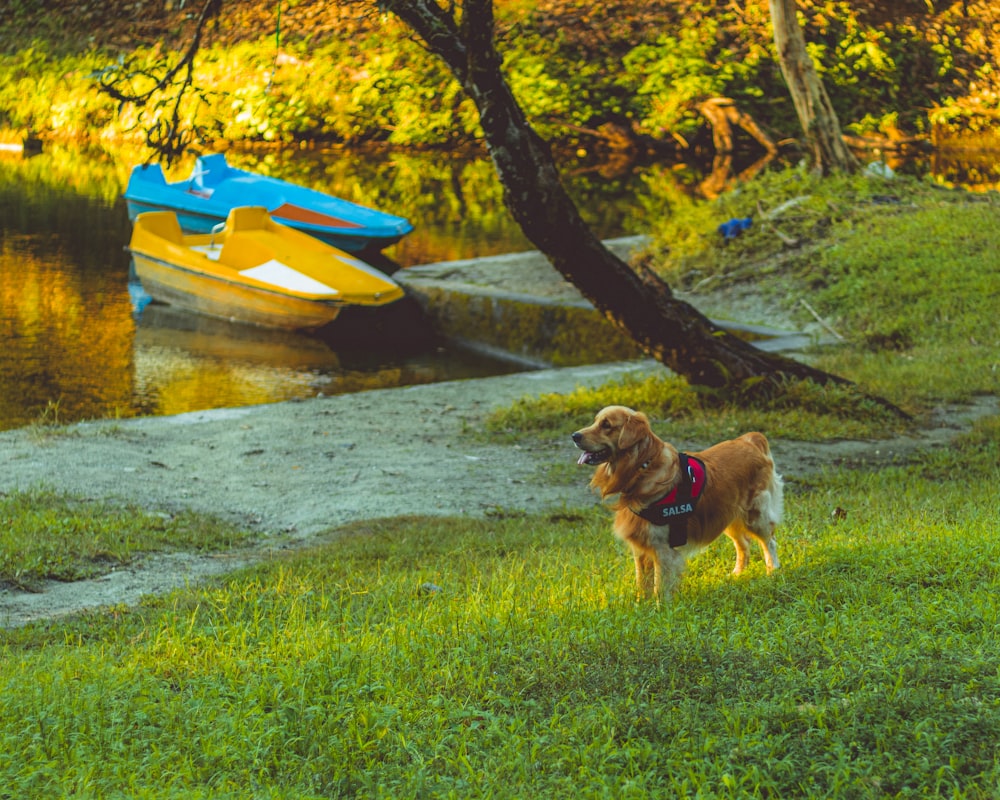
(871, 66)
(506, 658)
(561, 93)
(649, 70)
(682, 68)
(43, 93)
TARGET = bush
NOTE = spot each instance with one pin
(571, 68)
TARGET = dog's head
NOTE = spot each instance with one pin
(616, 429)
(632, 460)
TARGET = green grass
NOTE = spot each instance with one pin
(868, 666)
(505, 657)
(48, 536)
(804, 411)
(907, 272)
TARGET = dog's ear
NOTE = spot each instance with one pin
(634, 430)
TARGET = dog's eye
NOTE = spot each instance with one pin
(605, 425)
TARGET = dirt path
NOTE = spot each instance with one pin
(291, 471)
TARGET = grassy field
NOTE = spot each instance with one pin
(505, 657)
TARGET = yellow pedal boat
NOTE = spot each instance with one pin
(254, 270)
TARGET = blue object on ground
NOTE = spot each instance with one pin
(735, 226)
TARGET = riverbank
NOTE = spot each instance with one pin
(516, 307)
(292, 472)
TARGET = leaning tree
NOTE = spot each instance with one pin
(634, 299)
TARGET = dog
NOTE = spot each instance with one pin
(672, 505)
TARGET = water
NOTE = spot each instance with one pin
(72, 346)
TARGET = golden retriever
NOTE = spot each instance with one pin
(671, 505)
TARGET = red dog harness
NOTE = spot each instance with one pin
(674, 508)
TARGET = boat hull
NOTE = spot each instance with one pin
(254, 271)
(216, 297)
(204, 200)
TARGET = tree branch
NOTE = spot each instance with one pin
(172, 138)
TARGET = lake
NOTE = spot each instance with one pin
(73, 347)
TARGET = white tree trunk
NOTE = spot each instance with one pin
(812, 104)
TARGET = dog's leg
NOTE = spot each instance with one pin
(741, 541)
(668, 566)
(769, 547)
(742, 535)
(644, 572)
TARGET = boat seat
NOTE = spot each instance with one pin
(240, 253)
(208, 171)
(245, 218)
(163, 224)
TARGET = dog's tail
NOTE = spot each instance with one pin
(773, 501)
(770, 502)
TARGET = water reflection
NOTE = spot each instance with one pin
(186, 361)
(65, 316)
(454, 201)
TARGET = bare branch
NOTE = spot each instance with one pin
(160, 87)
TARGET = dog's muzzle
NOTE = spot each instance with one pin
(588, 457)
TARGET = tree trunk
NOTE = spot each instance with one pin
(636, 301)
(812, 104)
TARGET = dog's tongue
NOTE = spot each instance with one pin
(584, 458)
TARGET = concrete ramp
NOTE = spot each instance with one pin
(520, 308)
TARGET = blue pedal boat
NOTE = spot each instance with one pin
(205, 199)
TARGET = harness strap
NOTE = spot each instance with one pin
(674, 508)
